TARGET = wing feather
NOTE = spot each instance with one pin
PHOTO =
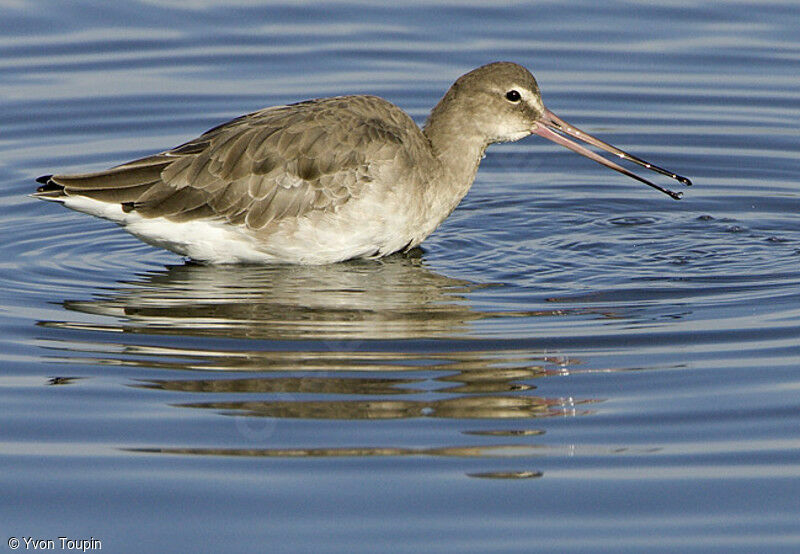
(257, 169)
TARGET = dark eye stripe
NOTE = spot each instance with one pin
(513, 96)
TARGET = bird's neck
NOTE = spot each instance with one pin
(458, 151)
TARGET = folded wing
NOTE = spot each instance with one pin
(255, 170)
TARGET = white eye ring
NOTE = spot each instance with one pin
(513, 96)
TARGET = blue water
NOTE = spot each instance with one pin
(574, 362)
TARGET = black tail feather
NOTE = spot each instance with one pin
(48, 185)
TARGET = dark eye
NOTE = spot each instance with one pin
(513, 96)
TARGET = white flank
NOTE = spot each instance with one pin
(319, 240)
(203, 240)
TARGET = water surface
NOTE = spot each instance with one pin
(573, 361)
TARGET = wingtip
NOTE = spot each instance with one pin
(50, 190)
(50, 196)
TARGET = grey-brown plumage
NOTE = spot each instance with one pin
(317, 181)
(275, 163)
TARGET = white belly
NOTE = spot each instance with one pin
(358, 230)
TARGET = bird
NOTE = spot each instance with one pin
(324, 180)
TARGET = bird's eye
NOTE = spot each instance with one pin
(513, 96)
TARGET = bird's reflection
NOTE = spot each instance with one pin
(361, 341)
(393, 298)
(460, 407)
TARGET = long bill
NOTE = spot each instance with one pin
(553, 128)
